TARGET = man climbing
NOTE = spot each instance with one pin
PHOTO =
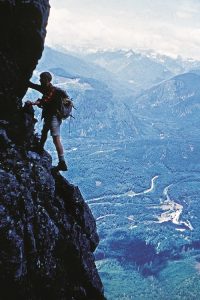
(50, 104)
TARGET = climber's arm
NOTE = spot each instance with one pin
(37, 102)
(35, 86)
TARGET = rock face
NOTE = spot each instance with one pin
(47, 231)
(22, 32)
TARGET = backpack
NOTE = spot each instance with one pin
(65, 106)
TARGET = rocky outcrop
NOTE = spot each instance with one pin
(22, 32)
(47, 231)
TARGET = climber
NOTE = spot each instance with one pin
(49, 104)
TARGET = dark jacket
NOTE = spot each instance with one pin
(50, 101)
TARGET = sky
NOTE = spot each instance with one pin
(170, 27)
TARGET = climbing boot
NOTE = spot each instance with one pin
(61, 166)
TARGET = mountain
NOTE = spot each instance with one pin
(74, 65)
(177, 65)
(71, 64)
(138, 70)
(173, 105)
(98, 111)
(141, 70)
(100, 100)
(103, 109)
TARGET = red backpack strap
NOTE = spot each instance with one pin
(49, 97)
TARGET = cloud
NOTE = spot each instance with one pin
(169, 27)
(188, 11)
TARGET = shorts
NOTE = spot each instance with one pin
(52, 124)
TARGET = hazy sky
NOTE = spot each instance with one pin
(172, 27)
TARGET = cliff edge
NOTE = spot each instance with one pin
(47, 231)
